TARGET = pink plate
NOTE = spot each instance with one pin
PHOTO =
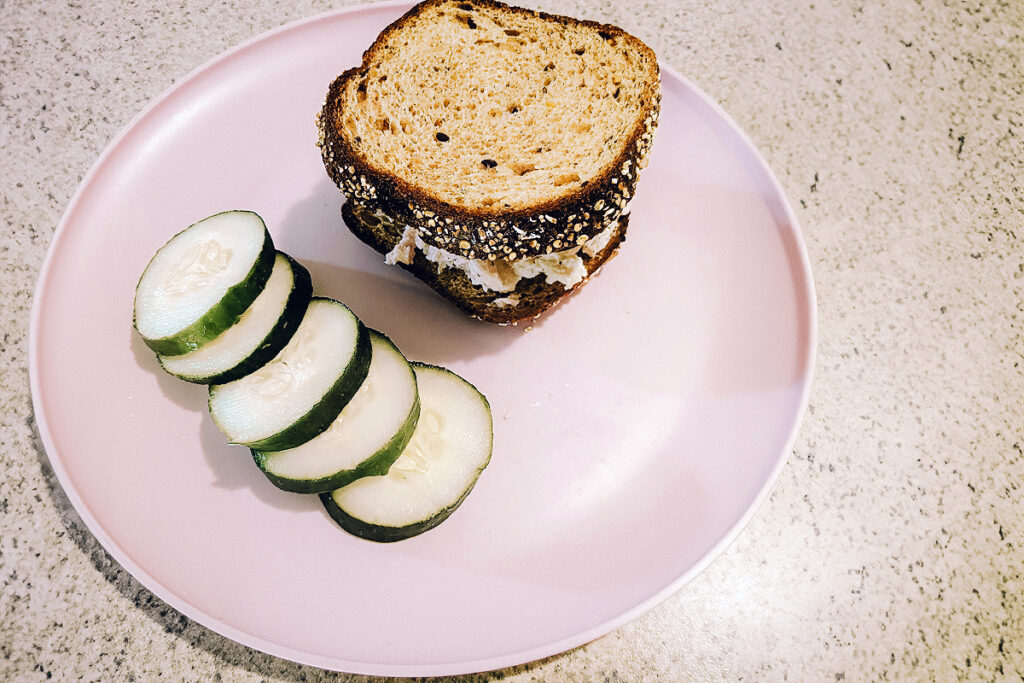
(637, 426)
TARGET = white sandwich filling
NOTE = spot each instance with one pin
(564, 267)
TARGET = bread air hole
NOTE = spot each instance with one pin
(566, 178)
(520, 168)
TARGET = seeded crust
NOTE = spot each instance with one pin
(535, 294)
(491, 232)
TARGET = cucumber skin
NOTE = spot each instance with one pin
(377, 464)
(279, 335)
(321, 415)
(390, 534)
(224, 313)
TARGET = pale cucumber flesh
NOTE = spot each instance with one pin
(449, 449)
(366, 437)
(202, 280)
(260, 333)
(300, 392)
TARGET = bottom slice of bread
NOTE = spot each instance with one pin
(527, 298)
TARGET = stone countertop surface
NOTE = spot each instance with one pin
(891, 545)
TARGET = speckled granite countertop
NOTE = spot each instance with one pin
(891, 546)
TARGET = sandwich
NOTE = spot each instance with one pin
(492, 150)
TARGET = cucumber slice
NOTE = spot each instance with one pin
(449, 449)
(200, 282)
(298, 394)
(259, 334)
(365, 439)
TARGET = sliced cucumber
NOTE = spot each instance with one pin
(200, 282)
(300, 392)
(372, 430)
(259, 334)
(449, 449)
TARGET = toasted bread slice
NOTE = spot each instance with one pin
(499, 132)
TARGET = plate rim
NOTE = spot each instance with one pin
(809, 312)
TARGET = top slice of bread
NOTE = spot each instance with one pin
(501, 131)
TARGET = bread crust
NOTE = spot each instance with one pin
(534, 295)
(486, 232)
